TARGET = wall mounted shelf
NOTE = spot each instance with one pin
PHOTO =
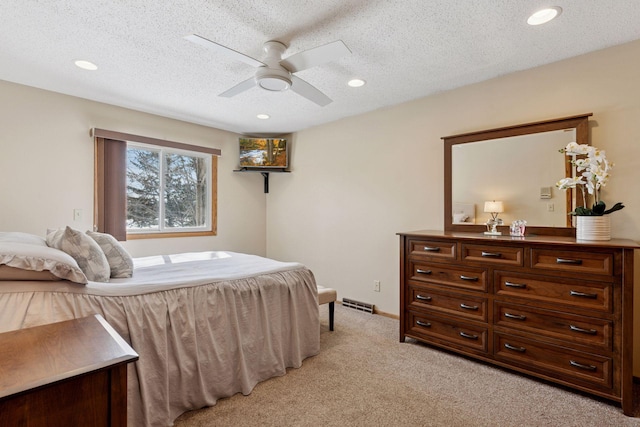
(264, 172)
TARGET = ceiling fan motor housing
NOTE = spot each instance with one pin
(273, 77)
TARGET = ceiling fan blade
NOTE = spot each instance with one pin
(303, 88)
(239, 88)
(316, 56)
(194, 38)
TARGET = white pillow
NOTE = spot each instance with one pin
(119, 260)
(36, 258)
(19, 237)
(84, 250)
(460, 217)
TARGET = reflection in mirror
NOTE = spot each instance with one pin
(516, 171)
(517, 165)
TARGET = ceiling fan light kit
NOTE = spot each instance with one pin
(276, 74)
(273, 79)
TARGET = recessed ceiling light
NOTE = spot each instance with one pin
(263, 116)
(86, 65)
(356, 83)
(545, 15)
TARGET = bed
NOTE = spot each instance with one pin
(206, 325)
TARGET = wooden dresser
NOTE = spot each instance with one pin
(71, 373)
(543, 305)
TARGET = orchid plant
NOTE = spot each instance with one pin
(593, 172)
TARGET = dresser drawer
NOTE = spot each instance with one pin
(500, 255)
(570, 293)
(566, 364)
(450, 303)
(451, 333)
(432, 249)
(471, 278)
(588, 263)
(566, 327)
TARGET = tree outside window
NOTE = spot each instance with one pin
(167, 190)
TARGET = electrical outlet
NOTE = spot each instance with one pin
(376, 285)
(77, 214)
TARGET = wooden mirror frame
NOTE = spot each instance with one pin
(581, 125)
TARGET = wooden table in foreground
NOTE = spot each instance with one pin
(71, 373)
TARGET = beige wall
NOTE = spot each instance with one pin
(355, 182)
(46, 169)
(358, 181)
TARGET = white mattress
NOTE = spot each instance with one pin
(206, 325)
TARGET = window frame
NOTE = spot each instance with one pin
(110, 183)
(162, 152)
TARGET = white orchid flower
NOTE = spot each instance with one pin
(566, 183)
(593, 171)
(573, 148)
(597, 155)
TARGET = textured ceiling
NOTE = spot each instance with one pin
(404, 49)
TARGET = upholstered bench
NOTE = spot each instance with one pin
(328, 295)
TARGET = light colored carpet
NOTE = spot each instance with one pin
(364, 376)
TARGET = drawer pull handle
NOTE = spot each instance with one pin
(423, 324)
(470, 336)
(421, 271)
(469, 278)
(515, 285)
(514, 348)
(515, 316)
(468, 307)
(568, 261)
(431, 249)
(583, 295)
(491, 254)
(581, 366)
(584, 331)
(423, 298)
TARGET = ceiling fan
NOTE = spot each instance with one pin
(276, 74)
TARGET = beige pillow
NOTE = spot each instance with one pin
(119, 260)
(84, 250)
(33, 258)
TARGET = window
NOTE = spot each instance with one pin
(167, 190)
(153, 188)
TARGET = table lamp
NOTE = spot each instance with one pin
(494, 208)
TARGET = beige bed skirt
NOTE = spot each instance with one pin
(196, 344)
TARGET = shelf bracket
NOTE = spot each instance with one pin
(264, 172)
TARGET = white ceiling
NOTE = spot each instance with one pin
(404, 49)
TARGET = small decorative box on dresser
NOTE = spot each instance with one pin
(71, 373)
(542, 305)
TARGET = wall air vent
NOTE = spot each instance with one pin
(357, 305)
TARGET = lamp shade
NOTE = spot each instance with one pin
(493, 207)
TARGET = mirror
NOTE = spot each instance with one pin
(515, 165)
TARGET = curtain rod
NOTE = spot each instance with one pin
(121, 136)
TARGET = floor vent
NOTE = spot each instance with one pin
(357, 305)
